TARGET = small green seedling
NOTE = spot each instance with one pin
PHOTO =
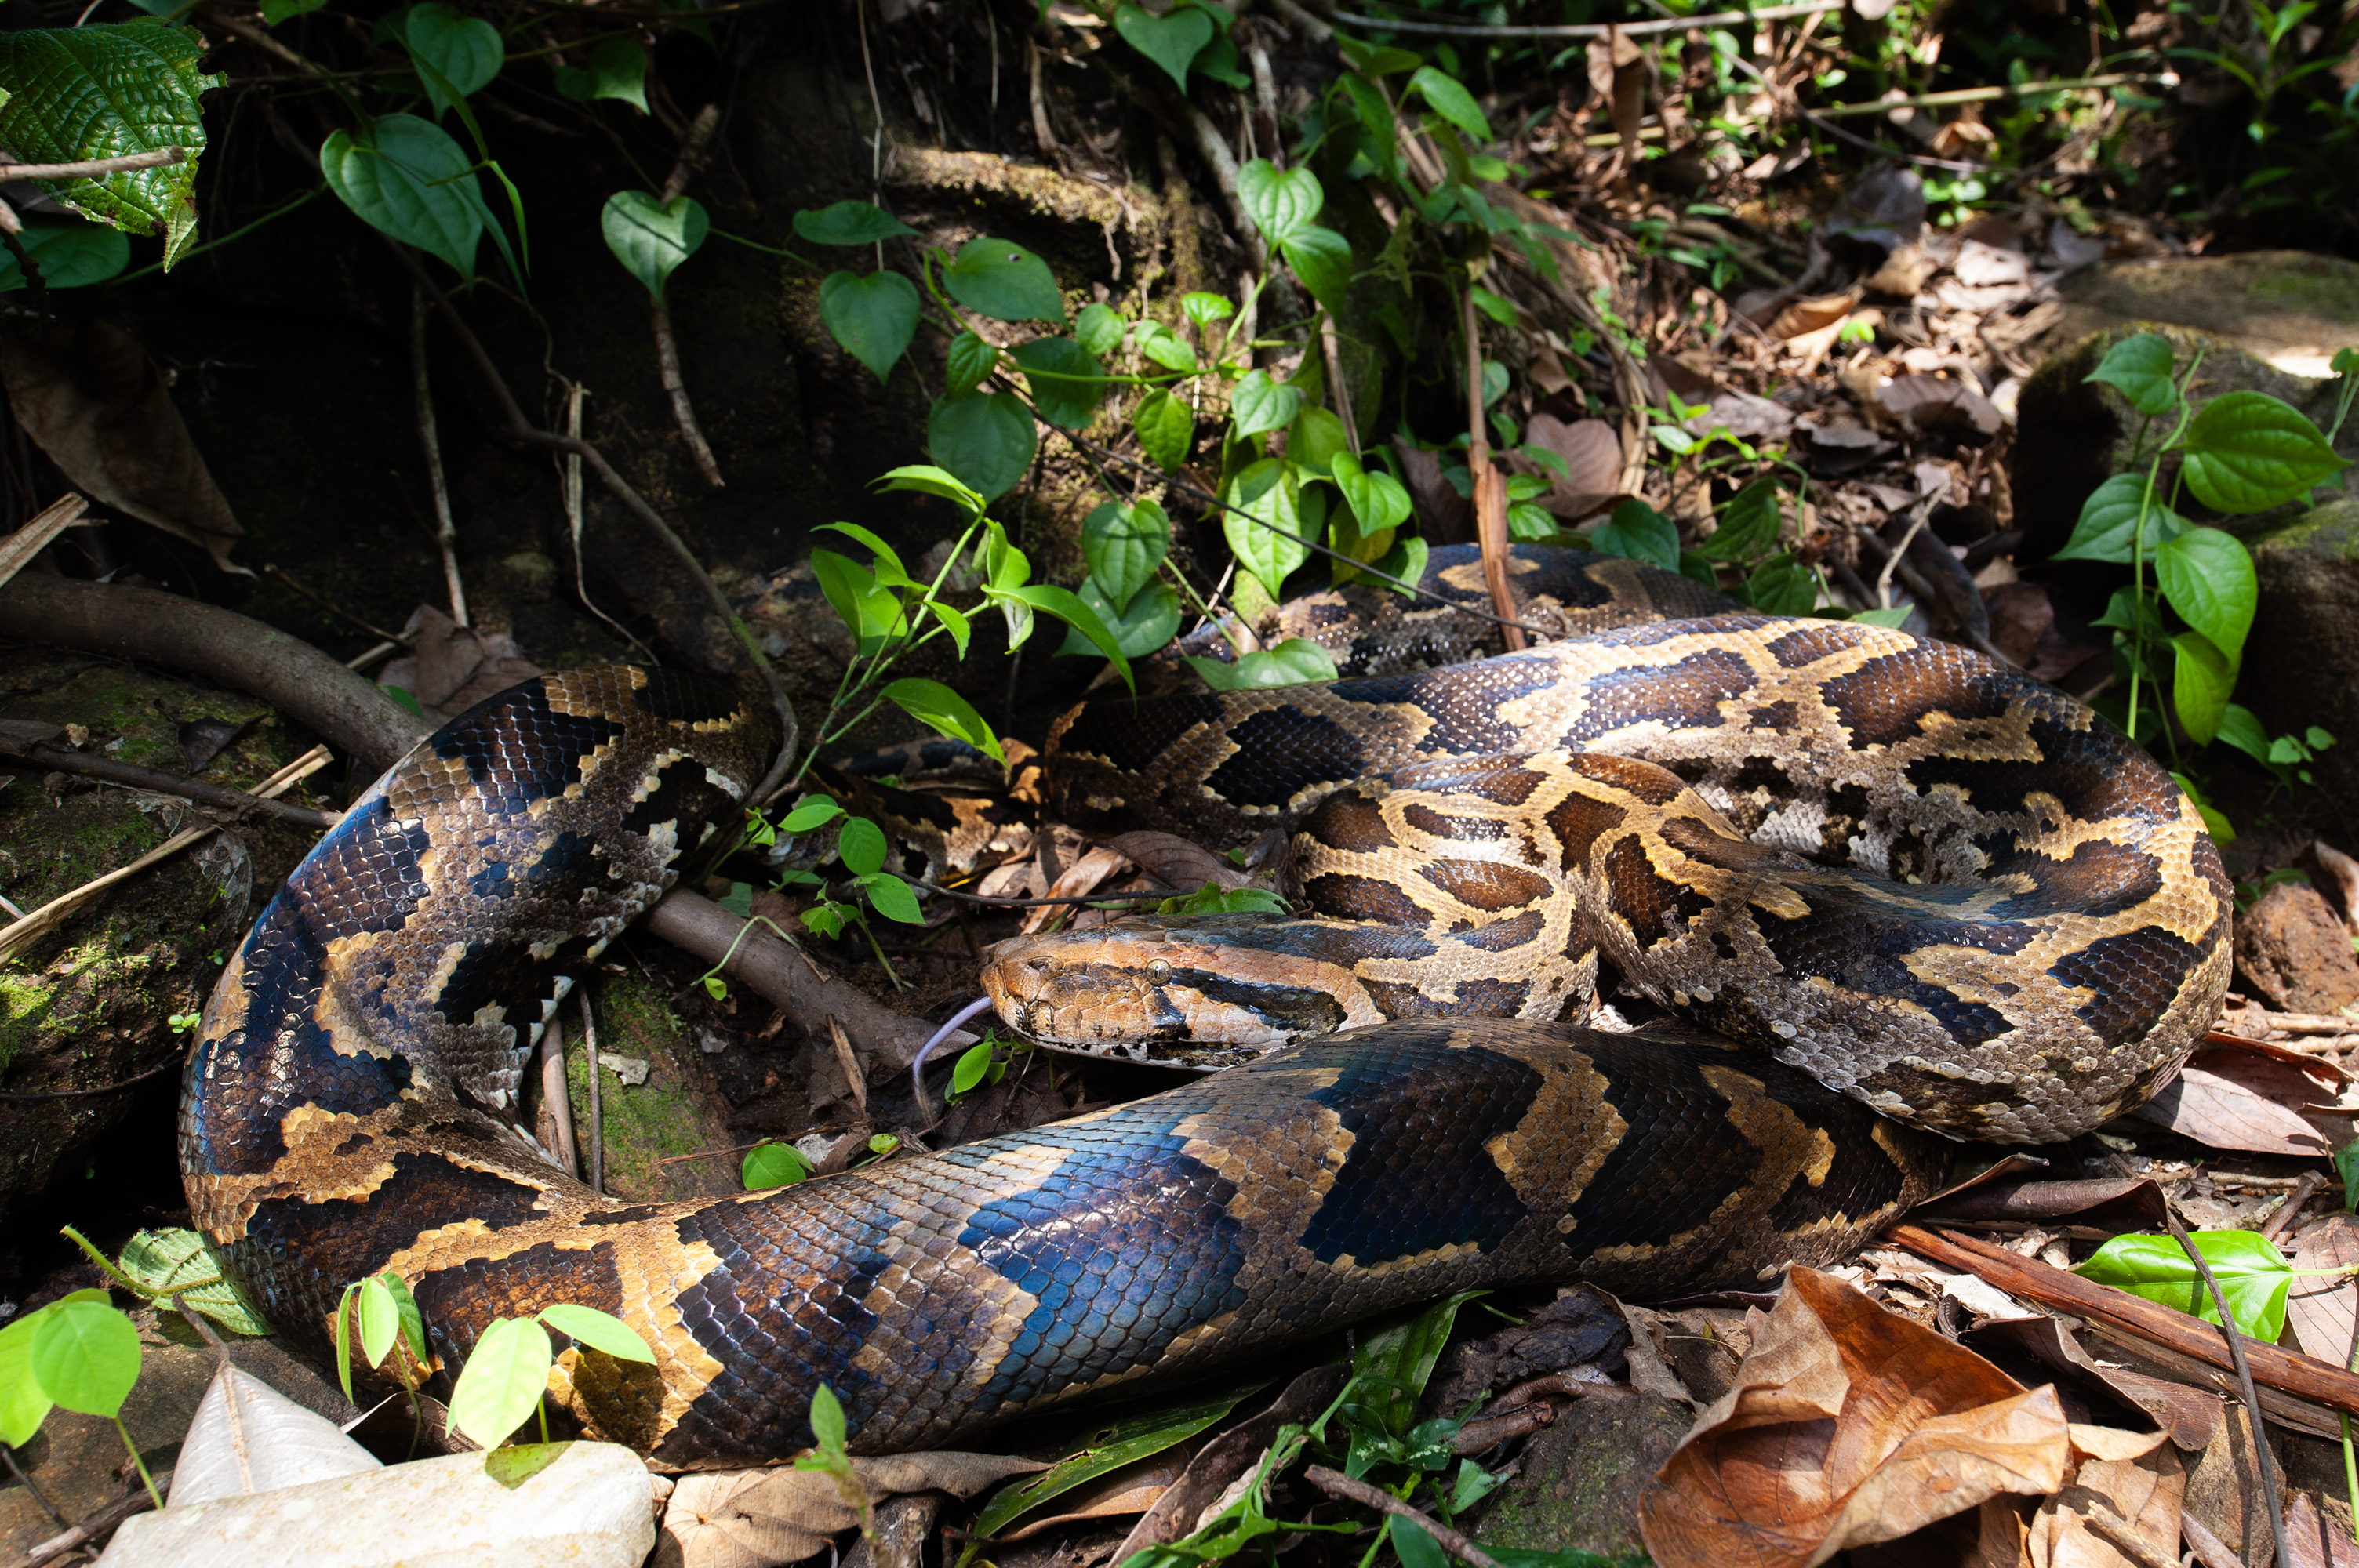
(828, 1458)
(78, 1353)
(771, 1164)
(506, 1377)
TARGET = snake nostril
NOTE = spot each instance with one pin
(1159, 972)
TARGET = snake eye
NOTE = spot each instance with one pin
(1157, 971)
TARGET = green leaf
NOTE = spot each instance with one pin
(651, 238)
(2207, 574)
(1446, 98)
(738, 901)
(1269, 489)
(503, 1381)
(85, 1357)
(887, 560)
(892, 898)
(2200, 684)
(816, 812)
(2248, 451)
(860, 845)
(1170, 41)
(76, 94)
(1294, 662)
(2346, 1166)
(1166, 426)
(1167, 348)
(1896, 616)
(2240, 727)
(874, 317)
(1375, 59)
(827, 1418)
(1281, 202)
(1259, 405)
(1490, 305)
(1099, 329)
(985, 438)
(2107, 530)
(1413, 1544)
(1108, 1449)
(868, 612)
(1149, 620)
(277, 11)
(969, 363)
(1003, 281)
(972, 1064)
(1378, 500)
(2140, 366)
(2253, 1274)
(1783, 586)
(71, 255)
(1123, 545)
(23, 1405)
(174, 1262)
(1526, 521)
(773, 1164)
(614, 68)
(415, 184)
(930, 481)
(1322, 258)
(1069, 608)
(600, 1331)
(850, 223)
(1203, 309)
(1748, 524)
(1405, 563)
(467, 52)
(1064, 380)
(1394, 1363)
(932, 703)
(1214, 899)
(380, 1318)
(1639, 532)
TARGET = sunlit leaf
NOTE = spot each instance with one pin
(651, 238)
(85, 1357)
(598, 1330)
(770, 1163)
(1003, 281)
(2140, 366)
(503, 1381)
(2248, 451)
(2254, 1276)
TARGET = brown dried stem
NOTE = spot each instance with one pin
(694, 150)
(1337, 1484)
(40, 753)
(1490, 486)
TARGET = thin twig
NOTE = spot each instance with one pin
(136, 1501)
(692, 153)
(597, 1106)
(446, 533)
(40, 753)
(93, 168)
(2118, 1534)
(8, 1455)
(1588, 29)
(2262, 1464)
(2308, 1182)
(1336, 1485)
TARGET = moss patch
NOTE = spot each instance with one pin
(675, 1113)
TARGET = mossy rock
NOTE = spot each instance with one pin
(1577, 1489)
(2292, 308)
(2301, 662)
(676, 1111)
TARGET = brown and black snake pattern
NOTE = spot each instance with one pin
(349, 1104)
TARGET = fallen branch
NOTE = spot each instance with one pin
(1337, 1484)
(787, 978)
(40, 753)
(218, 645)
(97, 1527)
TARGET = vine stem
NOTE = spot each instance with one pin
(692, 153)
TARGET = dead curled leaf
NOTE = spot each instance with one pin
(2125, 1482)
(2250, 1100)
(755, 1518)
(1846, 1425)
(2323, 1311)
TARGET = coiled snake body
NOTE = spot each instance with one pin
(1918, 878)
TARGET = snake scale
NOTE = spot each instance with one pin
(1852, 861)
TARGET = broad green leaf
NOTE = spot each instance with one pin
(2140, 366)
(891, 897)
(1783, 586)
(598, 1330)
(1748, 524)
(1281, 202)
(1167, 348)
(2346, 1166)
(23, 1405)
(1099, 329)
(1270, 491)
(1896, 616)
(277, 11)
(2200, 684)
(1214, 899)
(816, 812)
(2207, 574)
(932, 703)
(1109, 1448)
(827, 1418)
(1378, 500)
(772, 1165)
(613, 68)
(972, 1064)
(1316, 439)
(71, 255)
(932, 481)
(380, 1317)
(1123, 545)
(860, 845)
(167, 1263)
(1490, 305)
(1069, 608)
(1170, 41)
(85, 1357)
(467, 52)
(850, 223)
(866, 611)
(1166, 426)
(2107, 530)
(969, 363)
(1413, 1544)
(1259, 405)
(1064, 380)
(874, 317)
(73, 94)
(1003, 281)
(1375, 59)
(2253, 1274)
(1203, 309)
(503, 1381)
(2222, 832)
(987, 439)
(1147, 621)
(415, 184)
(1446, 98)
(651, 238)
(1394, 1363)
(1639, 532)
(2240, 727)
(1294, 662)
(1404, 563)
(2248, 451)
(1526, 521)
(889, 567)
(1322, 258)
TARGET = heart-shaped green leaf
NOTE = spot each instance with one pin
(651, 238)
(2248, 451)
(1259, 405)
(2140, 366)
(2253, 1274)
(71, 255)
(85, 1357)
(1148, 621)
(850, 223)
(772, 1165)
(1639, 532)
(2109, 523)
(1203, 309)
(1170, 41)
(1322, 258)
(1269, 493)
(1167, 348)
(415, 185)
(874, 317)
(1065, 381)
(1281, 202)
(23, 1405)
(1748, 524)
(501, 1384)
(465, 52)
(2208, 577)
(1377, 499)
(1166, 426)
(969, 363)
(1003, 281)
(1100, 328)
(1291, 662)
(1123, 545)
(613, 68)
(987, 440)
(1316, 439)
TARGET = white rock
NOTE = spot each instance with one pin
(586, 1505)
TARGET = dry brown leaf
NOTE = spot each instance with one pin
(2131, 1481)
(1077, 881)
(1801, 317)
(1177, 862)
(2217, 1110)
(1847, 1425)
(1592, 460)
(2189, 1415)
(2322, 1314)
(2314, 1542)
(98, 406)
(1937, 403)
(756, 1519)
(450, 667)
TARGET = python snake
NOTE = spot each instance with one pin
(2028, 932)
